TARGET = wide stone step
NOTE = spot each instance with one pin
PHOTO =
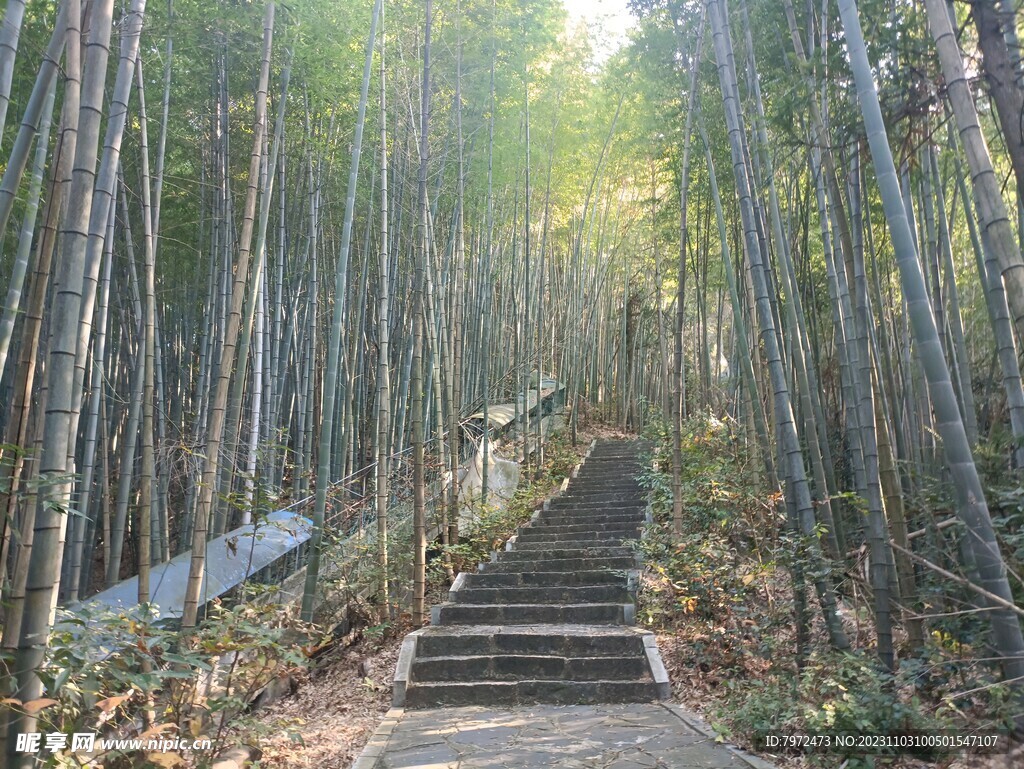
(525, 667)
(589, 491)
(578, 528)
(492, 693)
(533, 594)
(571, 563)
(595, 507)
(585, 499)
(595, 534)
(574, 503)
(562, 543)
(606, 473)
(610, 472)
(588, 550)
(546, 578)
(590, 518)
(586, 491)
(556, 640)
(533, 613)
(568, 517)
(602, 481)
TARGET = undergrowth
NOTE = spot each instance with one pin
(719, 597)
(124, 674)
(493, 523)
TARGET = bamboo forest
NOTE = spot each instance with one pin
(496, 384)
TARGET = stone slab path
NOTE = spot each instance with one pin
(533, 661)
(550, 619)
(630, 736)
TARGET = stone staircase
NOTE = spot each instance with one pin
(549, 620)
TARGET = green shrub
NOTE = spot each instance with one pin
(120, 672)
(494, 524)
(834, 694)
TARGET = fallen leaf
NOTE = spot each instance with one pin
(156, 730)
(112, 702)
(169, 760)
(34, 706)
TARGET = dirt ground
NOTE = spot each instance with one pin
(327, 722)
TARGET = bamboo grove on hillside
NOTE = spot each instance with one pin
(339, 230)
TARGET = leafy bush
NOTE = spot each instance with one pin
(120, 673)
(701, 572)
(834, 694)
(493, 525)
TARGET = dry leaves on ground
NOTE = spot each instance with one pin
(334, 712)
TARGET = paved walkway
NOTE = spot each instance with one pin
(548, 621)
(634, 736)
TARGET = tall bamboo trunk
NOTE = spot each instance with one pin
(679, 367)
(797, 489)
(63, 403)
(330, 385)
(1009, 99)
(421, 252)
(218, 406)
(383, 352)
(969, 494)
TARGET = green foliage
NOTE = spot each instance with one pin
(703, 573)
(834, 694)
(720, 487)
(704, 588)
(110, 672)
(698, 574)
(493, 525)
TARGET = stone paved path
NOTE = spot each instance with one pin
(521, 665)
(630, 736)
(550, 618)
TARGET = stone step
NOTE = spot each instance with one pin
(526, 667)
(587, 551)
(600, 534)
(587, 491)
(557, 640)
(594, 519)
(562, 543)
(579, 509)
(594, 501)
(590, 518)
(574, 594)
(575, 498)
(532, 613)
(585, 526)
(632, 524)
(593, 490)
(598, 517)
(545, 578)
(492, 693)
(603, 481)
(549, 563)
(617, 472)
